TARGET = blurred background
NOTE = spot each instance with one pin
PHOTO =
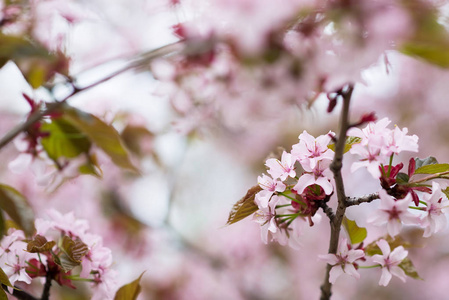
(169, 221)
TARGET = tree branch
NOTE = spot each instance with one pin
(335, 167)
(47, 286)
(142, 60)
(19, 294)
(350, 201)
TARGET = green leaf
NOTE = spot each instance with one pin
(4, 279)
(40, 244)
(64, 139)
(129, 291)
(35, 61)
(350, 141)
(433, 169)
(3, 295)
(402, 178)
(424, 162)
(356, 234)
(244, 207)
(409, 269)
(103, 135)
(73, 253)
(430, 40)
(16, 206)
(446, 192)
(3, 225)
(133, 136)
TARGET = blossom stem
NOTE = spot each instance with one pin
(335, 167)
(369, 267)
(389, 165)
(291, 198)
(430, 177)
(285, 205)
(417, 208)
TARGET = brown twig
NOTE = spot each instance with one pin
(350, 201)
(335, 167)
(51, 107)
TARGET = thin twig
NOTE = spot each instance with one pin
(335, 167)
(327, 210)
(51, 107)
(350, 201)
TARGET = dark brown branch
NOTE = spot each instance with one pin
(21, 295)
(335, 167)
(327, 210)
(350, 201)
(47, 286)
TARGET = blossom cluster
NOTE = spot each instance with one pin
(61, 246)
(286, 199)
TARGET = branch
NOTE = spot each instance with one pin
(327, 210)
(350, 201)
(19, 294)
(39, 114)
(335, 167)
(47, 286)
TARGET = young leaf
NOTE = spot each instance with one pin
(16, 206)
(40, 244)
(129, 291)
(402, 178)
(244, 207)
(446, 192)
(103, 135)
(432, 169)
(3, 295)
(424, 162)
(64, 140)
(73, 252)
(356, 234)
(409, 269)
(350, 141)
(4, 279)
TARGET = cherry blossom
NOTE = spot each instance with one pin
(344, 261)
(320, 175)
(266, 217)
(390, 260)
(437, 205)
(393, 212)
(270, 186)
(281, 169)
(15, 262)
(309, 151)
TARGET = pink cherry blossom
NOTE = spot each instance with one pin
(398, 141)
(390, 260)
(269, 186)
(393, 212)
(437, 204)
(14, 262)
(282, 169)
(310, 150)
(374, 131)
(267, 218)
(343, 261)
(320, 175)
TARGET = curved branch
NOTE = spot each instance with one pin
(335, 167)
